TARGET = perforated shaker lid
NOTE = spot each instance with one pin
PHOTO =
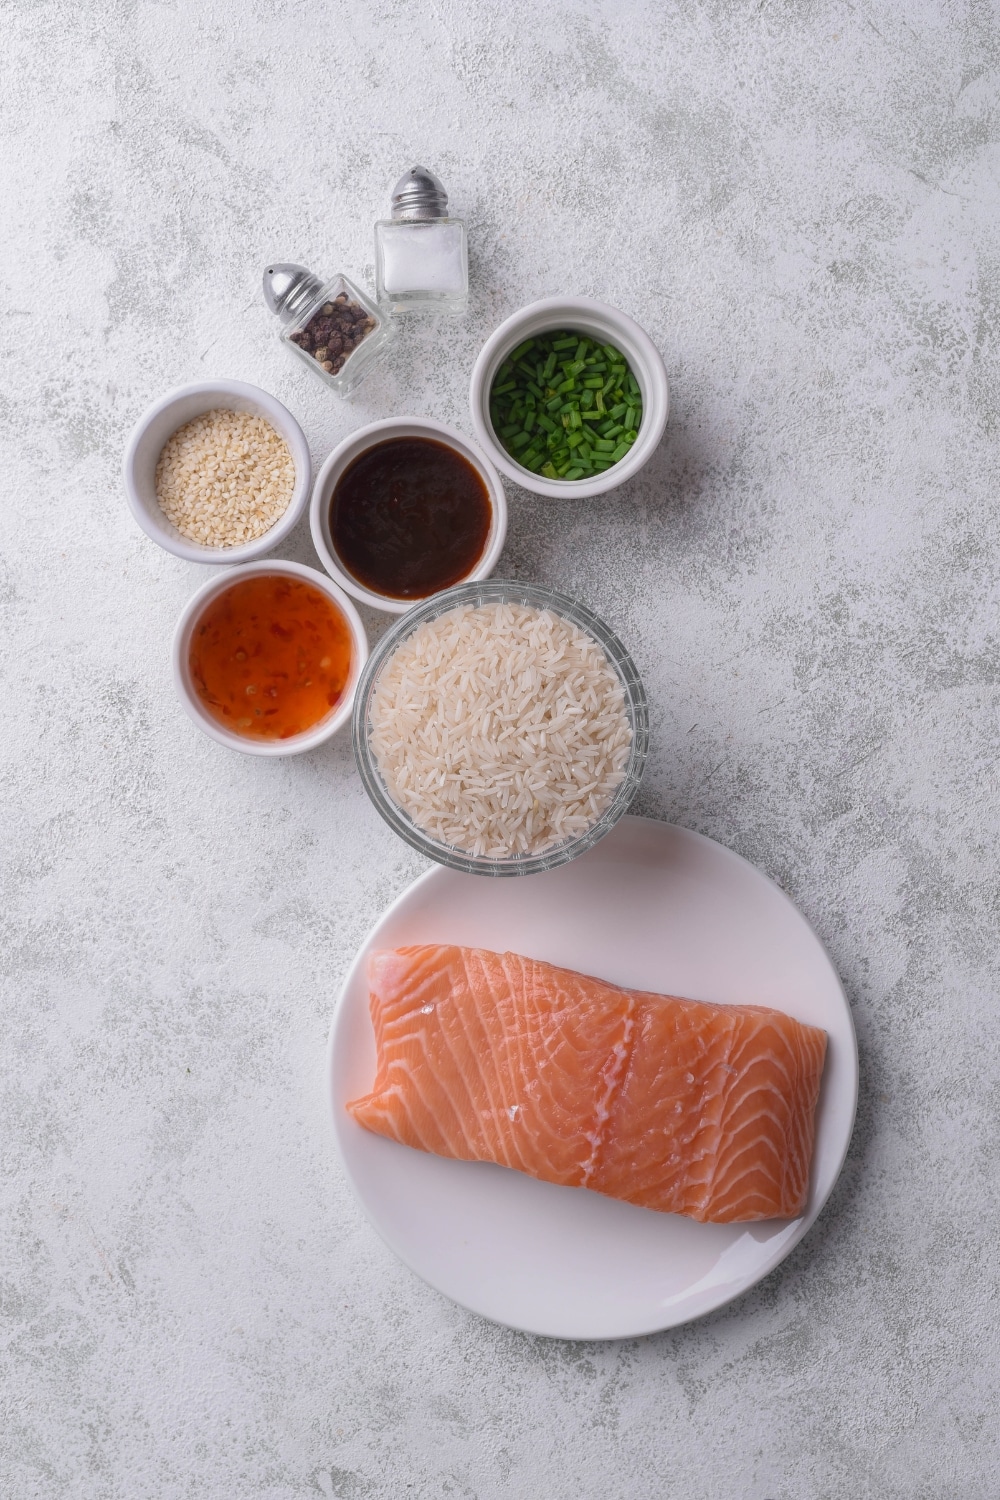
(290, 289)
(419, 195)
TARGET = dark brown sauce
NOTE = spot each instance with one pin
(409, 517)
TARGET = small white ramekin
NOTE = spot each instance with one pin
(369, 437)
(162, 419)
(181, 651)
(609, 326)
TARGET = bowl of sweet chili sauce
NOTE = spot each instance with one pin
(266, 658)
(406, 508)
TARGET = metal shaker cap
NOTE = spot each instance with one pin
(419, 195)
(289, 290)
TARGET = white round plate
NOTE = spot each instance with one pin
(651, 907)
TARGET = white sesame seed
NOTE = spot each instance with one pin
(224, 478)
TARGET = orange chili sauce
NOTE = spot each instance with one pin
(270, 656)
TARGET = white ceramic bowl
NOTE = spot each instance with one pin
(154, 428)
(597, 320)
(369, 437)
(182, 672)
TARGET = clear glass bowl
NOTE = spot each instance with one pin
(497, 591)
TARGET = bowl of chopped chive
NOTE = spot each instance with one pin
(569, 397)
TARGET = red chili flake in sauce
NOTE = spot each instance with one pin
(270, 656)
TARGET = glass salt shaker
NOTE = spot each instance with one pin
(421, 256)
(333, 327)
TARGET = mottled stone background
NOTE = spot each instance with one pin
(798, 200)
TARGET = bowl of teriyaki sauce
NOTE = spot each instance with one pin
(405, 508)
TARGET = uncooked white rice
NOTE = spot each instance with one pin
(500, 729)
(224, 478)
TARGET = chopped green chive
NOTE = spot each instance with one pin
(564, 406)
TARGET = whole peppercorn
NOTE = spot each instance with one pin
(334, 332)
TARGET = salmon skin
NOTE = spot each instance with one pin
(681, 1106)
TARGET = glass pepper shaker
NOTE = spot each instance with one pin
(421, 256)
(333, 327)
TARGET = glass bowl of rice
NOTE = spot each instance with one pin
(501, 728)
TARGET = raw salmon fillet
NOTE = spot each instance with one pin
(678, 1105)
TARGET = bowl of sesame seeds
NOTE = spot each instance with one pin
(217, 472)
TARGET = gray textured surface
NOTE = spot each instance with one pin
(799, 202)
